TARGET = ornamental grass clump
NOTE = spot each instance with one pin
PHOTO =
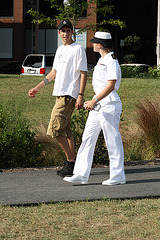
(133, 142)
(148, 112)
(51, 152)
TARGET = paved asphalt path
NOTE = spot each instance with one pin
(45, 186)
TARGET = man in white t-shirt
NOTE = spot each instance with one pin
(70, 74)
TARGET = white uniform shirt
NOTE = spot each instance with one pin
(106, 69)
(68, 62)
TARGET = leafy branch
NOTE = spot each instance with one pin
(74, 10)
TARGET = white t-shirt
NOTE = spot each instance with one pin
(68, 62)
(107, 68)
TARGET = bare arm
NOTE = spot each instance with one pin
(51, 75)
(80, 101)
(106, 91)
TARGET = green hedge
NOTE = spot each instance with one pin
(140, 72)
(18, 147)
(133, 72)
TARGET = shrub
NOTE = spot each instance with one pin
(140, 72)
(90, 71)
(154, 72)
(129, 58)
(18, 147)
(101, 153)
(133, 72)
(133, 43)
(78, 125)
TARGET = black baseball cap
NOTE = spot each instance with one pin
(65, 23)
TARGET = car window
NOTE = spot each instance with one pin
(49, 61)
(33, 61)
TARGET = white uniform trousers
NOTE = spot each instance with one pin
(107, 119)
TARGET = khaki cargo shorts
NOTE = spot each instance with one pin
(60, 121)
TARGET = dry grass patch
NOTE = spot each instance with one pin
(98, 220)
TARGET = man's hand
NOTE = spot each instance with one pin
(32, 92)
(79, 102)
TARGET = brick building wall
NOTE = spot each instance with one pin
(18, 24)
(91, 18)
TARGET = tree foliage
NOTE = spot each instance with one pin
(75, 10)
(133, 43)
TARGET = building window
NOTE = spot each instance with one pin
(6, 42)
(6, 9)
(47, 41)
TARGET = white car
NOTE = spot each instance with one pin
(144, 67)
(37, 64)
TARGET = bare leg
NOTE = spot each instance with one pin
(72, 146)
(67, 144)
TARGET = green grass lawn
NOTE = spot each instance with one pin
(134, 90)
(14, 90)
(97, 220)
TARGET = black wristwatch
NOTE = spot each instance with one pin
(81, 94)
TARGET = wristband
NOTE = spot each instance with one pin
(96, 99)
(81, 94)
(46, 81)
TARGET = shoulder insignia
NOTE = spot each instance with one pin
(113, 56)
